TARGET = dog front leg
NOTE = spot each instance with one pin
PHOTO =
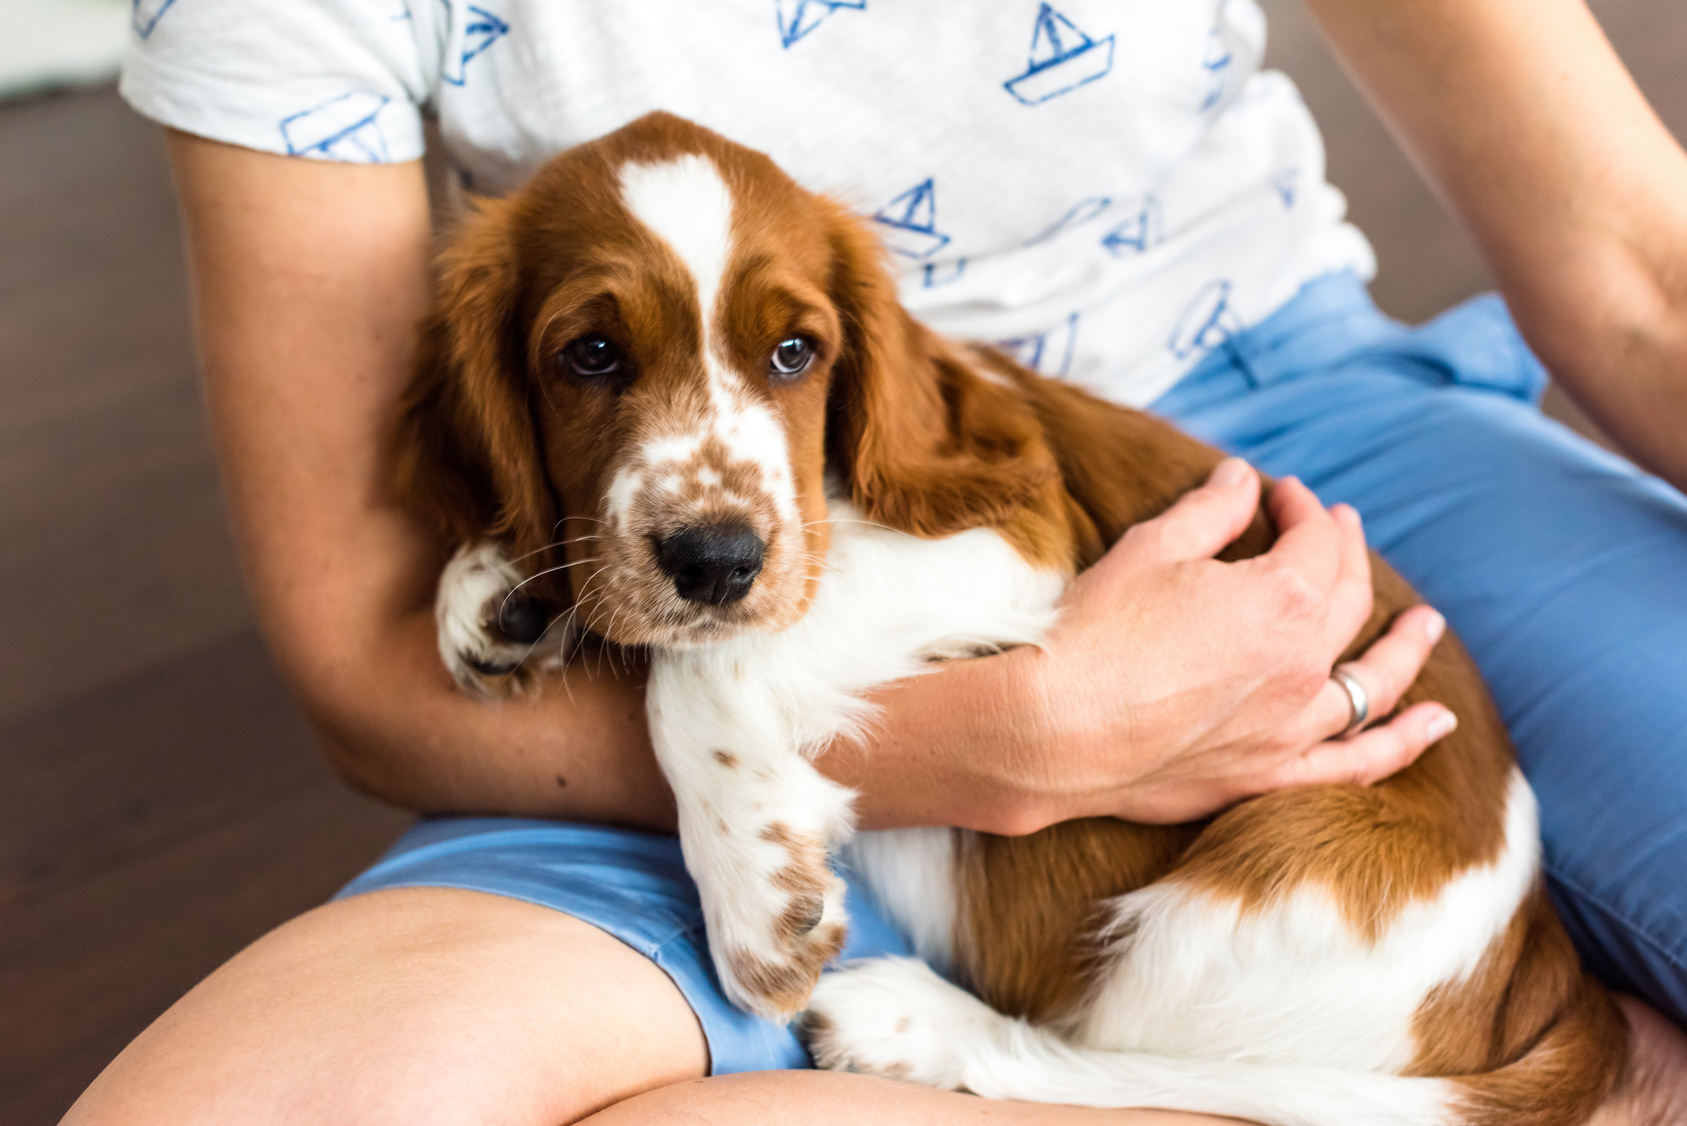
(490, 631)
(757, 822)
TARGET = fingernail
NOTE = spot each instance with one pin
(1435, 626)
(1232, 471)
(1350, 514)
(1441, 726)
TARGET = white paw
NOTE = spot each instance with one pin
(778, 923)
(475, 595)
(895, 1017)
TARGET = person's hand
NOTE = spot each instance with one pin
(1176, 685)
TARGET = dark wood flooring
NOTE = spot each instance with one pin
(162, 802)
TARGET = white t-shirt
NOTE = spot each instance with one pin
(1107, 188)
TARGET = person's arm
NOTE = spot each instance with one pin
(309, 279)
(1522, 117)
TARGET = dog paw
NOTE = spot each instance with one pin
(896, 1018)
(773, 936)
(487, 628)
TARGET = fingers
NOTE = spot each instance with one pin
(1372, 755)
(1385, 671)
(1352, 595)
(1204, 522)
(1310, 540)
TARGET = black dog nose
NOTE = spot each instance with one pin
(716, 563)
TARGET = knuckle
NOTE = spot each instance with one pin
(1145, 536)
(1302, 680)
(1294, 595)
(1019, 819)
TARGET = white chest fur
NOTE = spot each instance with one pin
(735, 723)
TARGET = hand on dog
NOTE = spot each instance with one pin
(1182, 685)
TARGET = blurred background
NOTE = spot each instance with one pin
(161, 800)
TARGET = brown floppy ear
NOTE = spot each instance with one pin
(929, 446)
(467, 454)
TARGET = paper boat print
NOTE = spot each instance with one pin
(935, 274)
(1047, 353)
(1206, 322)
(908, 223)
(1081, 212)
(1144, 229)
(1063, 58)
(482, 30)
(342, 128)
(1216, 62)
(799, 17)
(1287, 183)
(144, 15)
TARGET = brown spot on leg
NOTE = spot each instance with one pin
(802, 916)
(726, 759)
(785, 987)
(807, 878)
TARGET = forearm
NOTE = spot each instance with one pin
(1520, 114)
(577, 749)
(965, 745)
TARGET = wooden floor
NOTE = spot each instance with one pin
(163, 803)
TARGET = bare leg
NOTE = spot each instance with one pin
(832, 1098)
(1652, 1090)
(414, 1005)
(441, 1006)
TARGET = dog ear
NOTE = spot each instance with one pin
(928, 446)
(467, 454)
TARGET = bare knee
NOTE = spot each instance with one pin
(403, 1006)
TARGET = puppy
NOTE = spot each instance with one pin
(670, 393)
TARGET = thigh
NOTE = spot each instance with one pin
(1564, 570)
(410, 1005)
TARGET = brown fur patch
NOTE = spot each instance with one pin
(1534, 1030)
(1544, 1043)
(726, 759)
(785, 986)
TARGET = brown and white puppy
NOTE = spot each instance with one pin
(666, 388)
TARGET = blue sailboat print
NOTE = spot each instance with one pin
(342, 128)
(942, 273)
(1081, 212)
(481, 31)
(1206, 322)
(1046, 353)
(1063, 58)
(1287, 183)
(144, 15)
(799, 17)
(1216, 62)
(1144, 229)
(908, 223)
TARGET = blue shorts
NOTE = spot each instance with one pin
(1563, 568)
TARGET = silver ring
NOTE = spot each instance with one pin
(1357, 697)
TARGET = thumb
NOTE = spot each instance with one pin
(1205, 521)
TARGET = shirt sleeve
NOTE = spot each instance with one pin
(340, 80)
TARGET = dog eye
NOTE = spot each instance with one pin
(793, 356)
(592, 357)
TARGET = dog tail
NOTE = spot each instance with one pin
(957, 1042)
(1562, 1079)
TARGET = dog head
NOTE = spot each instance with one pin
(644, 368)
